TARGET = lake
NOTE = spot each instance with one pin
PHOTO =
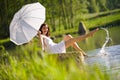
(109, 58)
(107, 55)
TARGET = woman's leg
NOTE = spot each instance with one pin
(74, 45)
(71, 41)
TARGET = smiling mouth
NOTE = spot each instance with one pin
(45, 32)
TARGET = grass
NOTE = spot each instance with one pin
(95, 15)
(4, 40)
(27, 63)
(102, 21)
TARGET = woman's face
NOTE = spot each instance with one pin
(45, 29)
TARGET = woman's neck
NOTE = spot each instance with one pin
(45, 35)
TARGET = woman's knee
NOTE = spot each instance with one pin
(67, 37)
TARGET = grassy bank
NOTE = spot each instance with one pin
(28, 63)
(102, 21)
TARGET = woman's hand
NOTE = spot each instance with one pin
(39, 37)
(39, 32)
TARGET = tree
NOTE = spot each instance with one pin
(93, 6)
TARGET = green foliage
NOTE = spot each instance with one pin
(91, 21)
(94, 6)
(112, 4)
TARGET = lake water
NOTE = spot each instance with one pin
(108, 56)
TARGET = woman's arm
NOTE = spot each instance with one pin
(40, 38)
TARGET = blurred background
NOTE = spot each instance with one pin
(66, 17)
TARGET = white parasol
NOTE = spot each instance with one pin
(26, 23)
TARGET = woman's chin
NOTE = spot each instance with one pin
(44, 33)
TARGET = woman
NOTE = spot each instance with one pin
(49, 46)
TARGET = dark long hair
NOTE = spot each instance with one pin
(48, 33)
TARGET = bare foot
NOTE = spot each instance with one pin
(92, 32)
(85, 55)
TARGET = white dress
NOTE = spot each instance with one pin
(50, 47)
